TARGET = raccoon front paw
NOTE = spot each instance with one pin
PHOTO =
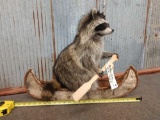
(101, 74)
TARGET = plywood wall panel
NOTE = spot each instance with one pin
(34, 32)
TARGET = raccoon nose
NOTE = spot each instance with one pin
(112, 30)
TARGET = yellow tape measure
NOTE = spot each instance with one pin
(7, 106)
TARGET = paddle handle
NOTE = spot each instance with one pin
(86, 86)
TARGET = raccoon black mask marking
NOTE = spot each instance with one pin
(102, 26)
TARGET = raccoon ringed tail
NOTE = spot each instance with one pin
(49, 89)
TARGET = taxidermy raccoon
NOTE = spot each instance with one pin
(78, 62)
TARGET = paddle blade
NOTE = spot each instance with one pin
(81, 91)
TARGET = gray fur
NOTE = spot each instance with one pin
(78, 62)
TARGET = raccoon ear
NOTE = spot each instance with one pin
(94, 13)
(101, 15)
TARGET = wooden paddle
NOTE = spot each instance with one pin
(86, 86)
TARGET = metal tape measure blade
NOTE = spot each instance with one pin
(72, 102)
(7, 106)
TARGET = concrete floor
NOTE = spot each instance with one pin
(148, 109)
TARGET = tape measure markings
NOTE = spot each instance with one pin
(7, 106)
(72, 102)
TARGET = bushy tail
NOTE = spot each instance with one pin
(49, 89)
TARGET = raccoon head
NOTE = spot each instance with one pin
(95, 24)
(101, 26)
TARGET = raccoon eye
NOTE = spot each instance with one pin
(102, 26)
